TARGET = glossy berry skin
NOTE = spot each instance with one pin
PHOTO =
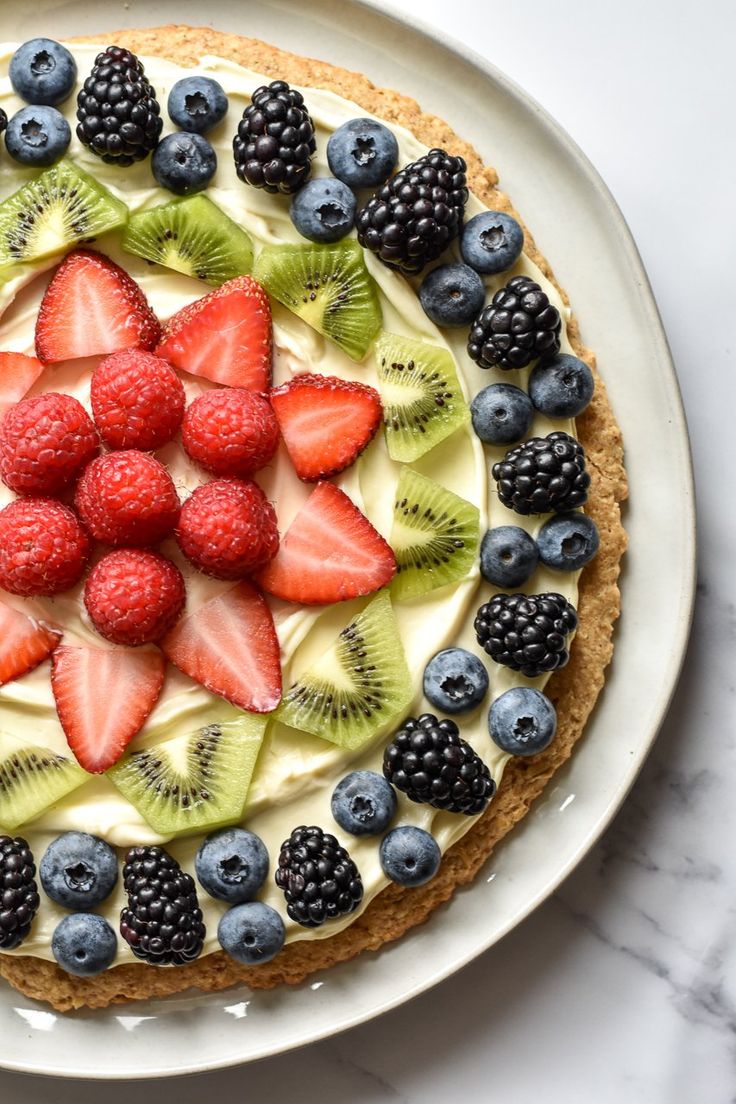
(119, 117)
(162, 922)
(508, 556)
(526, 632)
(42, 71)
(78, 871)
(196, 104)
(127, 498)
(455, 680)
(501, 414)
(45, 441)
(522, 721)
(567, 542)
(84, 944)
(43, 548)
(184, 163)
(491, 242)
(323, 210)
(319, 879)
(518, 326)
(363, 803)
(274, 142)
(230, 431)
(251, 933)
(134, 596)
(137, 400)
(227, 529)
(543, 475)
(19, 900)
(362, 153)
(232, 865)
(37, 136)
(409, 856)
(452, 295)
(563, 388)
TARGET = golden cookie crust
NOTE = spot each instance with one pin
(574, 690)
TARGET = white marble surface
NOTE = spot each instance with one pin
(621, 989)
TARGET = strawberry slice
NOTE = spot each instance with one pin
(224, 337)
(326, 422)
(18, 373)
(103, 697)
(229, 645)
(24, 643)
(92, 307)
(330, 553)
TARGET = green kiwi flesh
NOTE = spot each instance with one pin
(32, 779)
(192, 236)
(358, 686)
(422, 399)
(434, 536)
(329, 287)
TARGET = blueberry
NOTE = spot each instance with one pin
(323, 210)
(84, 944)
(184, 163)
(364, 803)
(568, 542)
(78, 871)
(522, 721)
(251, 933)
(37, 136)
(409, 856)
(196, 104)
(501, 414)
(455, 680)
(508, 556)
(491, 242)
(3, 120)
(362, 153)
(562, 388)
(232, 865)
(452, 294)
(42, 72)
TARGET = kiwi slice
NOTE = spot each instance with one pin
(359, 685)
(192, 236)
(422, 400)
(329, 287)
(31, 779)
(196, 781)
(434, 536)
(62, 206)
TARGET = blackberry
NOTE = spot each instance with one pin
(412, 219)
(3, 120)
(429, 762)
(163, 920)
(319, 879)
(543, 475)
(117, 109)
(19, 899)
(518, 325)
(526, 632)
(275, 140)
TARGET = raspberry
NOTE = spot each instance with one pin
(137, 400)
(134, 596)
(45, 441)
(230, 432)
(228, 529)
(43, 548)
(127, 498)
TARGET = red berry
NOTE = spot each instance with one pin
(18, 373)
(230, 432)
(24, 643)
(137, 400)
(134, 596)
(43, 548)
(228, 528)
(127, 498)
(44, 442)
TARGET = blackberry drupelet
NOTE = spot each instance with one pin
(118, 113)
(429, 762)
(3, 120)
(543, 475)
(163, 921)
(19, 899)
(526, 632)
(412, 219)
(518, 325)
(319, 879)
(275, 140)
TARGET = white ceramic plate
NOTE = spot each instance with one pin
(594, 257)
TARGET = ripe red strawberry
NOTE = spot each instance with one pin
(137, 400)
(43, 548)
(134, 596)
(330, 552)
(92, 307)
(227, 528)
(24, 643)
(127, 498)
(230, 431)
(18, 373)
(104, 697)
(225, 336)
(45, 441)
(229, 645)
(326, 422)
